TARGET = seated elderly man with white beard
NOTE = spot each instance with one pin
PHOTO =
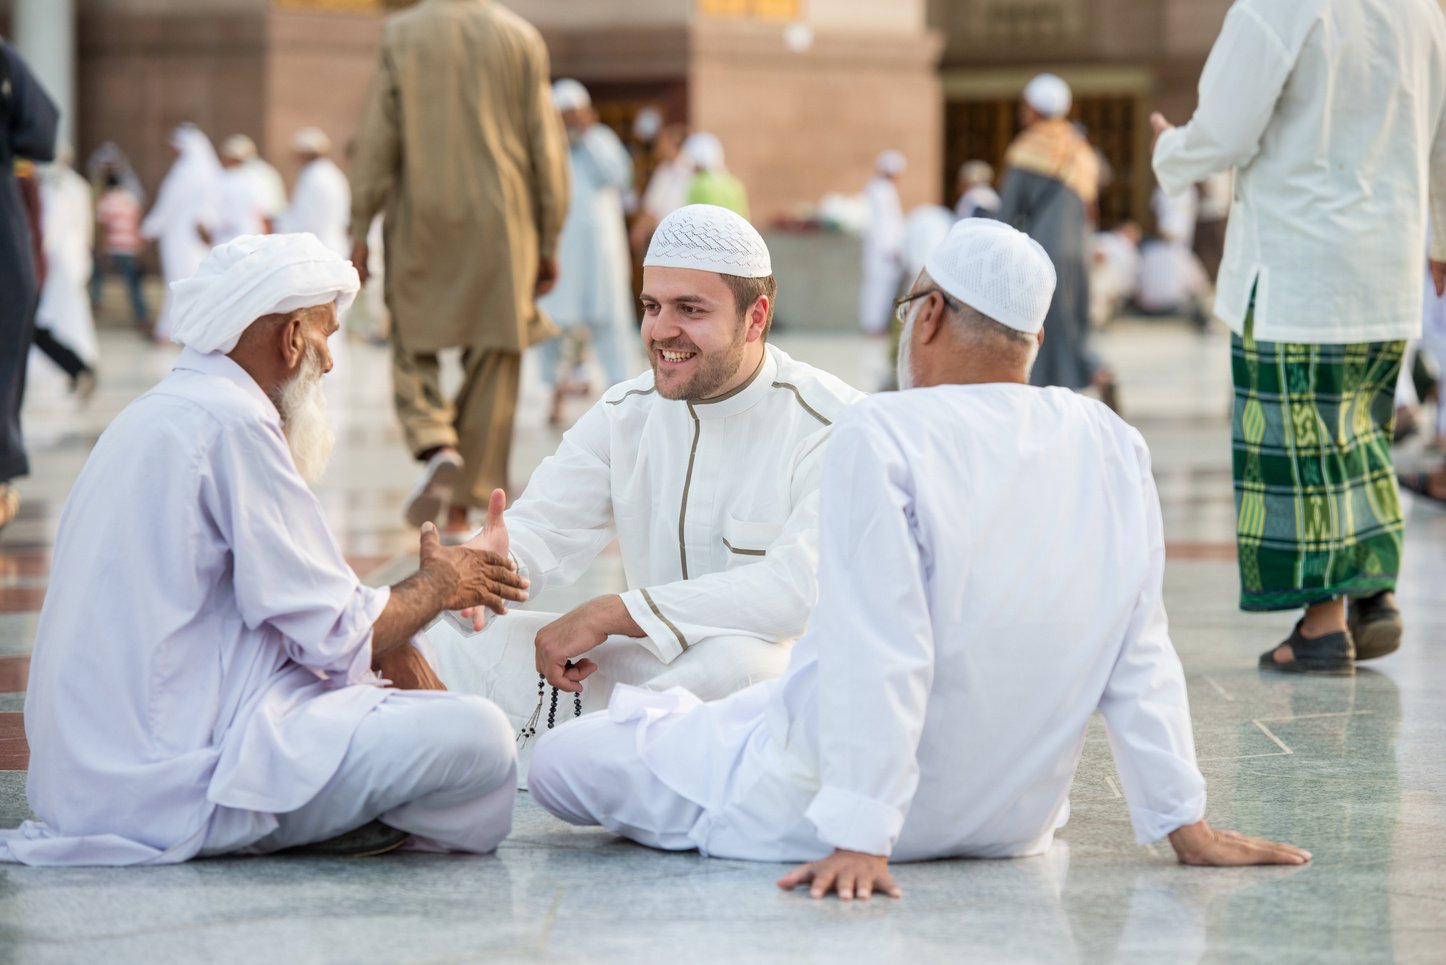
(705, 469)
(201, 681)
(991, 560)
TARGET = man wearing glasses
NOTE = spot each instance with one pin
(991, 560)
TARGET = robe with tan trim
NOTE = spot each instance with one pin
(714, 505)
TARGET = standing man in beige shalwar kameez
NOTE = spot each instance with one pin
(461, 147)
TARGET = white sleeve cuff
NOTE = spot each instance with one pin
(1151, 826)
(664, 640)
(855, 823)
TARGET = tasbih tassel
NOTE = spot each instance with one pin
(529, 729)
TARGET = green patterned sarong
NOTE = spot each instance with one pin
(1317, 511)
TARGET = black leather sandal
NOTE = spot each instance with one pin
(1375, 625)
(1332, 655)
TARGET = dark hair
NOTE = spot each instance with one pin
(746, 291)
(112, 180)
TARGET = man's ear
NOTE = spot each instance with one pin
(929, 322)
(1039, 338)
(292, 341)
(757, 317)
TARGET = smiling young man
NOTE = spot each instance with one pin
(706, 471)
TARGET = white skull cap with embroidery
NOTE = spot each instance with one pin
(995, 270)
(705, 237)
(1048, 94)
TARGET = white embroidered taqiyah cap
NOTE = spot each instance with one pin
(705, 237)
(995, 270)
(252, 276)
(570, 95)
(1049, 95)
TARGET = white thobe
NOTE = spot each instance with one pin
(240, 208)
(186, 204)
(980, 200)
(973, 614)
(270, 187)
(1333, 113)
(714, 506)
(1170, 277)
(882, 268)
(68, 229)
(668, 188)
(594, 288)
(321, 204)
(203, 656)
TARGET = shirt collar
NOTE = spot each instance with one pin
(221, 366)
(745, 396)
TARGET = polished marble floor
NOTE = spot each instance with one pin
(1351, 769)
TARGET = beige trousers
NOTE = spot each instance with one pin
(478, 423)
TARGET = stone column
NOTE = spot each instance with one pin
(45, 37)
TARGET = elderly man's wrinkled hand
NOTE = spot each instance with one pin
(471, 577)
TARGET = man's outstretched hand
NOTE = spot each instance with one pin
(1438, 276)
(1201, 845)
(852, 874)
(492, 538)
(469, 577)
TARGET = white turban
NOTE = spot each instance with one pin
(704, 150)
(891, 163)
(996, 270)
(570, 95)
(252, 276)
(705, 237)
(238, 147)
(311, 140)
(1049, 95)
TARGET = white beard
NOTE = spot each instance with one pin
(309, 432)
(906, 355)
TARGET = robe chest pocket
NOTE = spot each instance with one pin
(748, 540)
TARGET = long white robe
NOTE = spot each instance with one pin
(991, 567)
(240, 210)
(187, 203)
(321, 204)
(204, 650)
(68, 229)
(883, 269)
(595, 287)
(714, 506)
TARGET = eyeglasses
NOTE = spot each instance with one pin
(901, 305)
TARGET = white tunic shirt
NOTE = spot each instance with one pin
(714, 504)
(1333, 113)
(203, 648)
(990, 576)
(321, 204)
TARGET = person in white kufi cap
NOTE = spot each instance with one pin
(228, 697)
(989, 577)
(185, 212)
(321, 201)
(883, 266)
(712, 184)
(594, 290)
(705, 469)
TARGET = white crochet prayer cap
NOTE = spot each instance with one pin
(238, 147)
(311, 140)
(995, 270)
(1049, 95)
(891, 163)
(256, 275)
(705, 237)
(570, 95)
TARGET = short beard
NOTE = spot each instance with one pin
(309, 432)
(906, 355)
(714, 370)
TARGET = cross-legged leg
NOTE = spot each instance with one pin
(441, 766)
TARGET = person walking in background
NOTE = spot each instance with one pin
(118, 213)
(64, 326)
(712, 183)
(242, 208)
(883, 268)
(1321, 287)
(460, 143)
(28, 121)
(976, 191)
(667, 189)
(593, 293)
(270, 188)
(1051, 183)
(184, 217)
(321, 200)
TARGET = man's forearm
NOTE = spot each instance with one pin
(414, 603)
(614, 619)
